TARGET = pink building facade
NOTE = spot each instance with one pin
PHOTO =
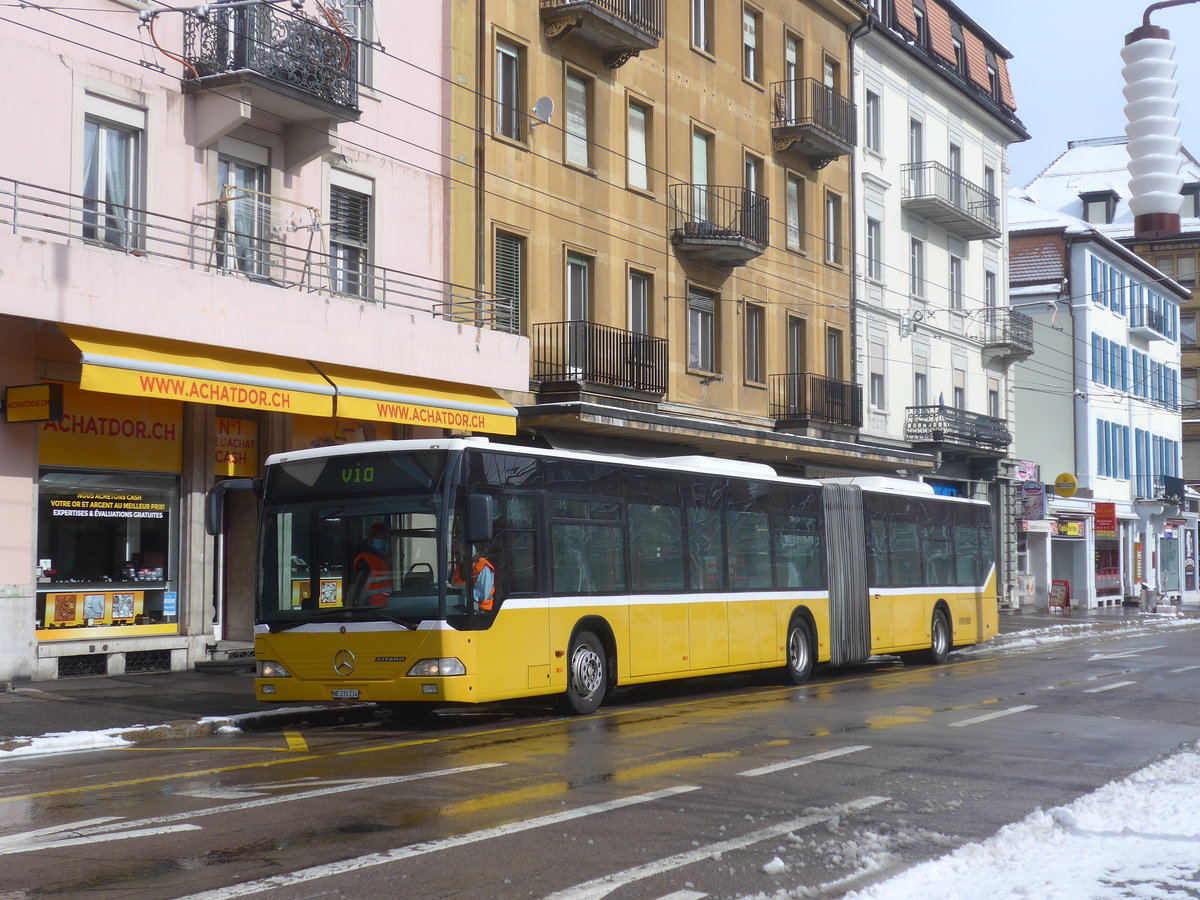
(221, 235)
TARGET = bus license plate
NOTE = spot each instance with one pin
(345, 694)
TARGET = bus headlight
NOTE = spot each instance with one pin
(268, 668)
(429, 668)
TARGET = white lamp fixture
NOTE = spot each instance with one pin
(1154, 160)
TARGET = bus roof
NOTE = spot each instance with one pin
(881, 484)
(710, 465)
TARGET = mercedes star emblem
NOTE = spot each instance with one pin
(343, 662)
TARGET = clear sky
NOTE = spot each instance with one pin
(1066, 69)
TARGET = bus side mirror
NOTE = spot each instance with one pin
(479, 518)
(214, 501)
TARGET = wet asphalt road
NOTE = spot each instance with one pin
(715, 788)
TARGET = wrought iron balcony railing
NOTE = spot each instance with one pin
(219, 244)
(620, 28)
(806, 396)
(945, 198)
(959, 427)
(723, 224)
(1009, 332)
(587, 352)
(814, 117)
(275, 48)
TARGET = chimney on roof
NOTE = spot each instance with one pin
(1154, 159)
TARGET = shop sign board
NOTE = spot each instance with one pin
(1033, 501)
(1026, 470)
(33, 403)
(1065, 485)
(1039, 527)
(235, 447)
(110, 431)
(1071, 528)
(1106, 520)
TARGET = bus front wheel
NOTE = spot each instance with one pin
(799, 652)
(587, 674)
(939, 643)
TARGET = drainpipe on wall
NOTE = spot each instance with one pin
(481, 59)
(856, 32)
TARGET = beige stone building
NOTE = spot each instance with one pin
(658, 194)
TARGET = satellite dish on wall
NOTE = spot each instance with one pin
(543, 109)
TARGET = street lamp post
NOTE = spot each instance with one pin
(1154, 144)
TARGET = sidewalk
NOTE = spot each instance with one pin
(177, 705)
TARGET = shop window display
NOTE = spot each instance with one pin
(106, 553)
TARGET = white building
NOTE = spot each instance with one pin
(1103, 508)
(934, 337)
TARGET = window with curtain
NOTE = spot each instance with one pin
(795, 212)
(751, 26)
(638, 172)
(350, 241)
(755, 331)
(578, 150)
(874, 250)
(702, 25)
(833, 228)
(111, 183)
(243, 217)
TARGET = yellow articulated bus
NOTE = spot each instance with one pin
(463, 571)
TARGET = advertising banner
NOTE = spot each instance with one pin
(235, 447)
(1106, 520)
(1033, 501)
(108, 431)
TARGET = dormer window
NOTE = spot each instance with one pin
(1191, 200)
(922, 22)
(960, 53)
(1099, 206)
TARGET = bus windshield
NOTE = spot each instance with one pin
(355, 538)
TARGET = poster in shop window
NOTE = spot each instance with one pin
(1106, 520)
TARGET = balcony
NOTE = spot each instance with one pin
(945, 198)
(950, 427)
(1148, 323)
(1007, 335)
(813, 119)
(620, 29)
(278, 62)
(804, 398)
(721, 225)
(585, 354)
(221, 240)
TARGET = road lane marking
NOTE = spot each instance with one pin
(1109, 687)
(359, 863)
(987, 717)
(802, 761)
(683, 895)
(111, 828)
(1184, 669)
(605, 885)
(296, 742)
(1124, 653)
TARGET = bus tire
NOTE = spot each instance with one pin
(939, 643)
(799, 651)
(587, 674)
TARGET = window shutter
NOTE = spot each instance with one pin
(508, 282)
(350, 217)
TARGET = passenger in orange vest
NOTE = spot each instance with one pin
(483, 577)
(372, 575)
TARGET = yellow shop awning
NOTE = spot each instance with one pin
(362, 394)
(196, 373)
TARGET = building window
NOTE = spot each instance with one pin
(797, 345)
(960, 389)
(702, 315)
(578, 127)
(702, 25)
(960, 56)
(112, 173)
(243, 216)
(579, 288)
(920, 388)
(350, 238)
(1191, 201)
(989, 188)
(1099, 207)
(509, 88)
(509, 279)
(873, 122)
(358, 22)
(795, 212)
(833, 228)
(916, 154)
(922, 23)
(701, 161)
(833, 353)
(638, 171)
(755, 329)
(751, 59)
(639, 302)
(874, 250)
(956, 282)
(994, 399)
(876, 388)
(916, 268)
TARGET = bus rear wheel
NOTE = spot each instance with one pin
(939, 643)
(799, 652)
(587, 674)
